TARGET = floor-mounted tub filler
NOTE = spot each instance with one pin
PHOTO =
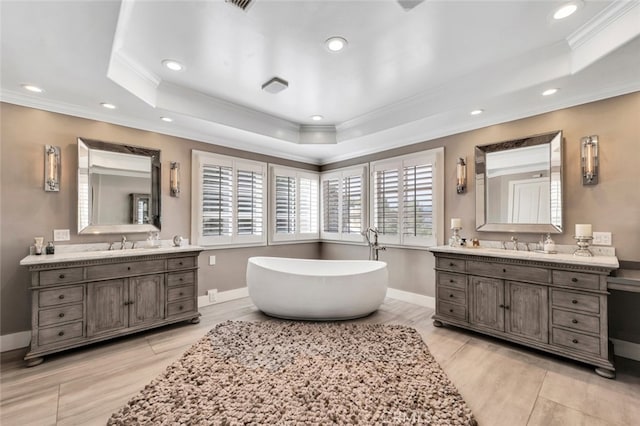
(316, 289)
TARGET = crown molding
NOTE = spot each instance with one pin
(607, 16)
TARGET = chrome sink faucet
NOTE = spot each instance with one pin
(514, 240)
(374, 247)
(123, 243)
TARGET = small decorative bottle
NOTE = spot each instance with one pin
(50, 249)
(549, 245)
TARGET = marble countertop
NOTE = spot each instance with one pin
(625, 279)
(566, 258)
(69, 256)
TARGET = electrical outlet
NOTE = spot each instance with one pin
(61, 235)
(602, 238)
(213, 295)
(212, 260)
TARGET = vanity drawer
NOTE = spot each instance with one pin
(181, 263)
(60, 296)
(60, 276)
(452, 295)
(177, 308)
(507, 271)
(574, 340)
(177, 293)
(59, 315)
(47, 336)
(452, 280)
(180, 278)
(576, 279)
(576, 321)
(124, 269)
(577, 301)
(450, 264)
(451, 310)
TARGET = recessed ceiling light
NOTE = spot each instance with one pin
(336, 44)
(316, 117)
(477, 111)
(108, 105)
(32, 88)
(565, 10)
(549, 92)
(167, 119)
(173, 65)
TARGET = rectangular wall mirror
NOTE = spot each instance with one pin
(118, 188)
(519, 185)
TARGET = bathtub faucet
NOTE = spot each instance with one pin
(374, 247)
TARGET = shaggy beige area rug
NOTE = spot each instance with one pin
(293, 373)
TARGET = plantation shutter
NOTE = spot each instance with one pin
(308, 205)
(386, 201)
(285, 199)
(417, 212)
(249, 203)
(331, 204)
(217, 194)
(352, 204)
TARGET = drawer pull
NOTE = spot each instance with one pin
(501, 306)
(181, 294)
(61, 297)
(61, 314)
(128, 268)
(575, 321)
(574, 301)
(451, 281)
(506, 307)
(452, 264)
(504, 270)
(450, 294)
(61, 333)
(61, 276)
(575, 340)
(180, 263)
(180, 307)
(574, 280)
(181, 279)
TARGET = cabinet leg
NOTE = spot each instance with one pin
(437, 323)
(195, 320)
(32, 362)
(606, 373)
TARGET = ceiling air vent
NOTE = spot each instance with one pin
(242, 4)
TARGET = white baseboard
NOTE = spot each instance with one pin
(626, 349)
(224, 296)
(9, 342)
(415, 298)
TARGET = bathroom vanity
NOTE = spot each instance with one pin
(79, 298)
(552, 302)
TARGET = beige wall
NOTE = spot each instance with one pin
(27, 211)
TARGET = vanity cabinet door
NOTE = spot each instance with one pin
(146, 299)
(527, 311)
(487, 302)
(107, 308)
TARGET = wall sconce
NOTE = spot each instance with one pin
(589, 160)
(51, 168)
(461, 176)
(174, 179)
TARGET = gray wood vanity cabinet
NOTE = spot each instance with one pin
(553, 306)
(77, 302)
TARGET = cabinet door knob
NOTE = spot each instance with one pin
(61, 297)
(501, 306)
(575, 340)
(61, 276)
(574, 301)
(574, 280)
(506, 307)
(61, 333)
(575, 321)
(61, 314)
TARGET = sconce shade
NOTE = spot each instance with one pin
(51, 168)
(174, 179)
(461, 176)
(590, 159)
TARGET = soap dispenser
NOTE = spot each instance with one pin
(549, 245)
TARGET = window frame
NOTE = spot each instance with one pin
(340, 174)
(435, 157)
(275, 238)
(199, 159)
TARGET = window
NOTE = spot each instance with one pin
(407, 206)
(228, 200)
(343, 204)
(294, 205)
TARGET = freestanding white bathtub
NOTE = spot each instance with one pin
(316, 289)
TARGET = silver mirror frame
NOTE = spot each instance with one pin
(551, 138)
(87, 144)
